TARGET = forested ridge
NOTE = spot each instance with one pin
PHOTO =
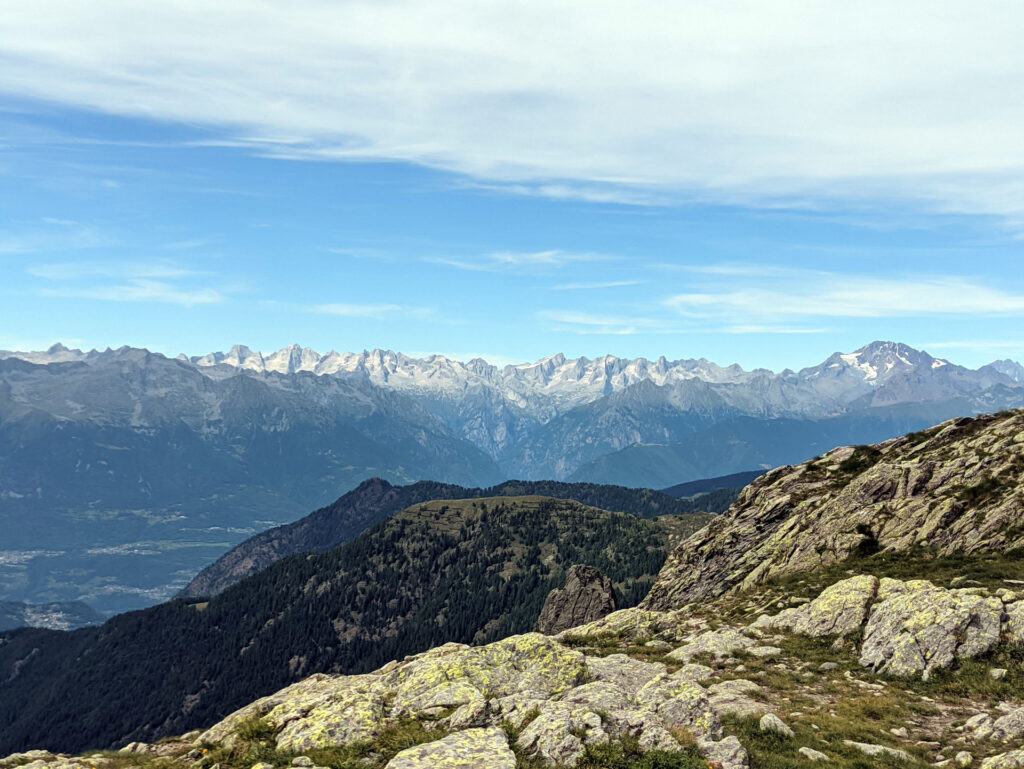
(375, 500)
(470, 571)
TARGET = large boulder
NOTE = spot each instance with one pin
(588, 595)
(915, 627)
(469, 749)
(454, 675)
(839, 610)
(317, 712)
(717, 643)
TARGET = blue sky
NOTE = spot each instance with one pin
(513, 180)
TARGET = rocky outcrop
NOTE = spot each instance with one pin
(957, 487)
(916, 627)
(588, 595)
(560, 700)
(909, 628)
(840, 610)
(470, 749)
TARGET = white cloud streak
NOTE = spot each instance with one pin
(596, 285)
(142, 290)
(749, 102)
(377, 311)
(522, 261)
(585, 323)
(796, 294)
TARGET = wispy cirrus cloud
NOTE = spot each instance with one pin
(523, 261)
(77, 270)
(598, 284)
(377, 311)
(591, 323)
(775, 294)
(141, 290)
(867, 102)
(159, 280)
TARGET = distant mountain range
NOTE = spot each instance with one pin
(123, 472)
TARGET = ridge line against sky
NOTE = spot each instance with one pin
(763, 182)
(463, 359)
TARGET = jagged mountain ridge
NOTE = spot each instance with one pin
(178, 461)
(121, 478)
(956, 487)
(513, 412)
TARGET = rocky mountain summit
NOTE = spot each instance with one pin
(588, 595)
(956, 487)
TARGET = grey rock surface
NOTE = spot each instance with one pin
(588, 596)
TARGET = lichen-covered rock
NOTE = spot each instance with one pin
(623, 671)
(1005, 728)
(915, 627)
(469, 749)
(588, 595)
(319, 711)
(1013, 759)
(599, 696)
(732, 698)
(679, 702)
(1014, 624)
(717, 643)
(812, 755)
(878, 750)
(632, 624)
(728, 753)
(530, 662)
(561, 731)
(839, 610)
(772, 723)
(895, 496)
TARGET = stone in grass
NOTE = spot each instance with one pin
(470, 749)
(727, 753)
(878, 750)
(812, 755)
(772, 723)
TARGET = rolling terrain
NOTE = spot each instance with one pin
(468, 571)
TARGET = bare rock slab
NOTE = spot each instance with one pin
(470, 749)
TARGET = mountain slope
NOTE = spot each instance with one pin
(957, 487)
(376, 499)
(137, 467)
(469, 571)
(122, 472)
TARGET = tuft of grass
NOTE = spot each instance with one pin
(769, 750)
(625, 753)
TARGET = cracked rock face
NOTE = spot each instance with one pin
(918, 627)
(588, 595)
